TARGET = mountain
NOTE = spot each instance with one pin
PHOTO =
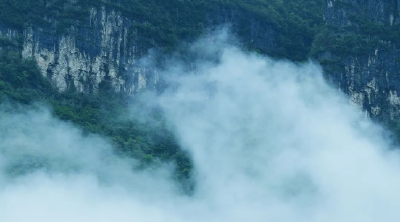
(84, 57)
(359, 49)
(79, 44)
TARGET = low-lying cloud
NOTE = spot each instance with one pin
(270, 141)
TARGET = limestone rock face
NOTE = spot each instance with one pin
(98, 51)
(372, 78)
(106, 47)
(102, 49)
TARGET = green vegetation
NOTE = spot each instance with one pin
(146, 140)
(166, 23)
(362, 37)
(161, 24)
(20, 13)
(298, 31)
(20, 80)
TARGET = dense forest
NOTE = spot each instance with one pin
(105, 114)
(165, 25)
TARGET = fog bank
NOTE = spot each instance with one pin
(270, 141)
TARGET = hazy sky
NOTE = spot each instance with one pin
(270, 141)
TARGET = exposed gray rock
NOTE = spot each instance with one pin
(87, 55)
(107, 47)
(371, 79)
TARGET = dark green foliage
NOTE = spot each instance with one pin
(10, 44)
(296, 22)
(341, 43)
(19, 13)
(105, 114)
(148, 140)
(21, 80)
(161, 24)
(363, 36)
(166, 23)
(298, 27)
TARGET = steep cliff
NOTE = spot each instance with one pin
(90, 45)
(85, 45)
(359, 49)
(85, 55)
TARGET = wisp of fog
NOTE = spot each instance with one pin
(269, 140)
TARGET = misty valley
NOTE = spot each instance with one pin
(159, 111)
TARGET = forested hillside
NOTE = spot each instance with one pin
(23, 87)
(79, 57)
(199, 110)
(166, 23)
(160, 24)
(359, 49)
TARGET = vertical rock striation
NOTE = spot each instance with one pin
(102, 48)
(83, 57)
(369, 68)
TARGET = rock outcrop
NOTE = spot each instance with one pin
(106, 45)
(102, 49)
(86, 55)
(370, 71)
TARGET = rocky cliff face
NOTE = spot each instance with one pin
(370, 75)
(250, 29)
(9, 38)
(105, 47)
(102, 49)
(339, 12)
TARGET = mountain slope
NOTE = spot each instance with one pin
(83, 57)
(79, 44)
(359, 49)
